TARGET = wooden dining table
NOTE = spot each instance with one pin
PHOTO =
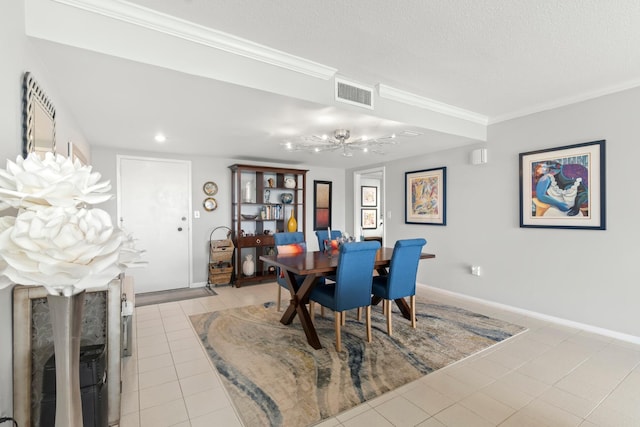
(313, 265)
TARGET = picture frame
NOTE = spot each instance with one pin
(426, 196)
(564, 187)
(369, 196)
(321, 205)
(38, 118)
(369, 219)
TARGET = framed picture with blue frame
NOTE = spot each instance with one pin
(564, 187)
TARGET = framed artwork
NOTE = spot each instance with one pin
(369, 218)
(321, 205)
(426, 197)
(564, 187)
(369, 196)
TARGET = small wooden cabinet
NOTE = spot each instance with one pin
(263, 200)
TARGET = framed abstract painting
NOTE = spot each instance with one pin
(564, 187)
(425, 196)
(321, 205)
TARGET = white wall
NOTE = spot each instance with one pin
(215, 169)
(585, 276)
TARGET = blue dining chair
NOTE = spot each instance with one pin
(285, 239)
(352, 288)
(322, 235)
(401, 280)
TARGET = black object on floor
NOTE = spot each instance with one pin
(93, 388)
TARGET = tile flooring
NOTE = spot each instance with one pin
(551, 375)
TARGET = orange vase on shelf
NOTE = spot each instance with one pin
(292, 224)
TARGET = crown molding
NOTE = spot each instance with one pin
(563, 102)
(398, 95)
(150, 19)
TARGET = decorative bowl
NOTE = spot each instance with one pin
(289, 183)
(286, 198)
(245, 216)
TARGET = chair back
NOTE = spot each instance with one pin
(355, 274)
(282, 239)
(323, 235)
(404, 267)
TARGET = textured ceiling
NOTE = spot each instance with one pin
(498, 58)
(493, 57)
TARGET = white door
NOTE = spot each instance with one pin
(154, 199)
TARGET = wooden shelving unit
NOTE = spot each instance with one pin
(257, 212)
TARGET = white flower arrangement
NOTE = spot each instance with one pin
(56, 240)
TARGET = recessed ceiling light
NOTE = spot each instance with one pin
(160, 138)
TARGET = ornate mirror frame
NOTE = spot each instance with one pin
(39, 118)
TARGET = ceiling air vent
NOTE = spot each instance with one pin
(354, 94)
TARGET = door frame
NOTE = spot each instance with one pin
(120, 157)
(357, 175)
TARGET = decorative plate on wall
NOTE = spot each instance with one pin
(210, 188)
(210, 204)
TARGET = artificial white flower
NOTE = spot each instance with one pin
(53, 181)
(60, 248)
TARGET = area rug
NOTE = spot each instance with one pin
(172, 295)
(276, 378)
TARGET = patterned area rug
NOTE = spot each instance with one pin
(276, 378)
(172, 295)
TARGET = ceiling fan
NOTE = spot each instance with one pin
(340, 142)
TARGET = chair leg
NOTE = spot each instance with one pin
(338, 321)
(344, 317)
(279, 297)
(388, 307)
(412, 302)
(322, 310)
(359, 313)
(312, 308)
(368, 318)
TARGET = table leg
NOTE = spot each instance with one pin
(297, 306)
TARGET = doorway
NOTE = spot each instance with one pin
(374, 177)
(154, 202)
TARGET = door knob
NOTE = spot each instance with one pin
(179, 228)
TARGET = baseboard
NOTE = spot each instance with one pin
(558, 320)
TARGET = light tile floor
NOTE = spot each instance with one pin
(551, 375)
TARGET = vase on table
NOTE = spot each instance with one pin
(292, 224)
(248, 266)
(66, 322)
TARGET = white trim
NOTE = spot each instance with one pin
(563, 102)
(398, 95)
(167, 24)
(558, 320)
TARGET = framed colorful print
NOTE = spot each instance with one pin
(564, 187)
(369, 218)
(425, 197)
(321, 205)
(369, 196)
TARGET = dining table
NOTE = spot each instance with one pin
(313, 265)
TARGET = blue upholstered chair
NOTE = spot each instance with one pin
(401, 280)
(284, 239)
(322, 235)
(352, 288)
